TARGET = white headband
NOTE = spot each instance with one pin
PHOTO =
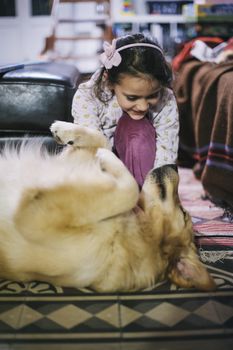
(111, 57)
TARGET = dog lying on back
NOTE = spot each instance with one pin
(77, 219)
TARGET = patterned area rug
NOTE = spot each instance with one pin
(36, 313)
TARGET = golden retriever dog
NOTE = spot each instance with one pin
(77, 219)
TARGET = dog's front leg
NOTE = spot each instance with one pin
(78, 136)
(125, 192)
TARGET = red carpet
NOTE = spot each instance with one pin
(209, 222)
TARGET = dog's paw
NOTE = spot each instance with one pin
(103, 155)
(67, 133)
(109, 162)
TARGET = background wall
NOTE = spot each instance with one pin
(23, 34)
(22, 37)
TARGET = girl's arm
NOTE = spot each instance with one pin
(86, 106)
(166, 123)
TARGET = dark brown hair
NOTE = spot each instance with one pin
(136, 61)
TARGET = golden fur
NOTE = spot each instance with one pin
(77, 219)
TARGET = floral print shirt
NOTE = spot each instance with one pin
(88, 110)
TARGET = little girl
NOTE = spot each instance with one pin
(130, 100)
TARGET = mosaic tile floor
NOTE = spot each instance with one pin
(41, 316)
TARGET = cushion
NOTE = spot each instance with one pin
(33, 96)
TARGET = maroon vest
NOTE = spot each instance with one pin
(135, 145)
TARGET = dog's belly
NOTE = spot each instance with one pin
(75, 258)
(95, 257)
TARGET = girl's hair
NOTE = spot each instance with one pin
(136, 61)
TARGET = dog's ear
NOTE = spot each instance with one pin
(189, 271)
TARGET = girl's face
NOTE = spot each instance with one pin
(136, 95)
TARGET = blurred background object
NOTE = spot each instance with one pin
(74, 30)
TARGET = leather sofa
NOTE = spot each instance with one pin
(32, 97)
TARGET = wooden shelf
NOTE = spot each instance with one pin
(73, 1)
(76, 57)
(79, 37)
(148, 19)
(97, 19)
(71, 36)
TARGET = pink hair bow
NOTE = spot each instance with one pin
(110, 57)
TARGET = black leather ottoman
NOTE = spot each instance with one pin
(33, 96)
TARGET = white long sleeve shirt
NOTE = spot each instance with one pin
(88, 110)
